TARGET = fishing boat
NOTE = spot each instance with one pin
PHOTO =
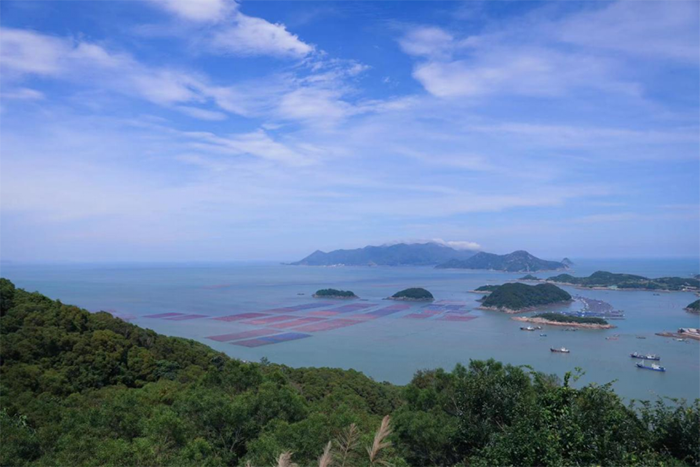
(527, 328)
(543, 335)
(560, 350)
(648, 356)
(652, 367)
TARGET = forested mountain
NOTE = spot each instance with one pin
(402, 254)
(518, 261)
(86, 389)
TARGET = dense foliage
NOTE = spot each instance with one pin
(517, 296)
(694, 307)
(628, 281)
(334, 293)
(414, 293)
(486, 288)
(82, 389)
(518, 261)
(561, 318)
(529, 277)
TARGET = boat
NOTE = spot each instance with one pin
(649, 356)
(641, 337)
(652, 367)
(543, 335)
(679, 340)
(560, 350)
(527, 328)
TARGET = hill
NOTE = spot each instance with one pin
(693, 307)
(402, 254)
(517, 297)
(83, 389)
(334, 293)
(627, 281)
(518, 261)
(413, 294)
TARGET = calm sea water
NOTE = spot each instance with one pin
(393, 348)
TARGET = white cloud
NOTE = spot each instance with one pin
(29, 52)
(425, 41)
(199, 10)
(255, 36)
(457, 244)
(22, 94)
(201, 114)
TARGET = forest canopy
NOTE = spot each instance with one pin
(84, 389)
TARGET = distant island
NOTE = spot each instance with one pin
(693, 307)
(516, 297)
(609, 280)
(334, 293)
(416, 294)
(559, 319)
(401, 254)
(485, 289)
(567, 262)
(529, 277)
(518, 261)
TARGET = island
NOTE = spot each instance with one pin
(400, 254)
(693, 307)
(413, 294)
(529, 277)
(518, 261)
(334, 293)
(485, 289)
(516, 297)
(610, 280)
(559, 319)
(567, 262)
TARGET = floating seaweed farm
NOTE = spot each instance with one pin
(289, 323)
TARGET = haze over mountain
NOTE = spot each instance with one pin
(401, 254)
(518, 261)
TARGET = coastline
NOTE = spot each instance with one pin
(558, 323)
(623, 289)
(510, 311)
(335, 297)
(407, 299)
(678, 335)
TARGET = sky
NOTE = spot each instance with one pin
(215, 130)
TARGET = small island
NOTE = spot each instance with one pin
(334, 293)
(414, 294)
(693, 307)
(529, 277)
(559, 319)
(516, 297)
(485, 289)
(614, 281)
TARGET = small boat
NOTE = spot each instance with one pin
(649, 356)
(560, 350)
(652, 367)
(300, 293)
(527, 328)
(641, 337)
(679, 340)
(543, 335)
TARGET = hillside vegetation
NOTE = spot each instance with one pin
(330, 293)
(516, 296)
(561, 318)
(82, 389)
(628, 281)
(517, 261)
(413, 293)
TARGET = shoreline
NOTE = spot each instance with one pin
(623, 289)
(678, 335)
(407, 299)
(335, 297)
(559, 323)
(510, 311)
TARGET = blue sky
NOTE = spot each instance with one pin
(214, 130)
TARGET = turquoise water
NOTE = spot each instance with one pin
(393, 348)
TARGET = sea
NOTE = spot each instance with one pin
(189, 300)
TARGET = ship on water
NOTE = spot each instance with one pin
(652, 367)
(649, 356)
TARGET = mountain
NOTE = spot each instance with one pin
(567, 262)
(518, 261)
(401, 254)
